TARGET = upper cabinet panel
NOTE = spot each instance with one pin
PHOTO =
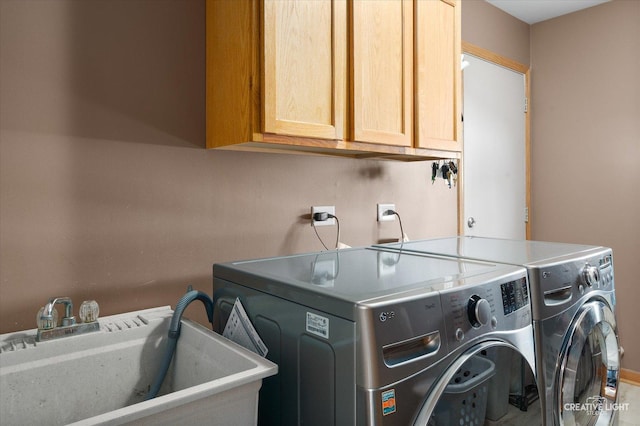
(360, 78)
(382, 61)
(304, 68)
(231, 53)
(438, 78)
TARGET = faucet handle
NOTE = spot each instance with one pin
(47, 322)
(89, 311)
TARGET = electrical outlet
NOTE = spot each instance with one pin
(320, 209)
(383, 208)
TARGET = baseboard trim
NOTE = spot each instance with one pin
(630, 376)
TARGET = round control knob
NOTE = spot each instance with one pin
(459, 335)
(590, 275)
(479, 311)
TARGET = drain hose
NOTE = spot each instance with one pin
(174, 334)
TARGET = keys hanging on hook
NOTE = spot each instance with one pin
(453, 171)
(446, 172)
(434, 172)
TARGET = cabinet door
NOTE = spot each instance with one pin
(304, 67)
(438, 90)
(382, 70)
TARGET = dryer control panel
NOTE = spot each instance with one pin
(556, 286)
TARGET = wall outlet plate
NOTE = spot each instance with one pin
(320, 209)
(383, 208)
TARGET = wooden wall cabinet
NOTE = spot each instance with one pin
(304, 61)
(344, 77)
(438, 77)
(382, 76)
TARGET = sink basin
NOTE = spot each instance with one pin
(103, 377)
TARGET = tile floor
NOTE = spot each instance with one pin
(629, 399)
(628, 414)
(515, 417)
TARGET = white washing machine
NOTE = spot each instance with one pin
(375, 337)
(573, 300)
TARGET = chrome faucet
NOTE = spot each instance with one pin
(47, 314)
(48, 321)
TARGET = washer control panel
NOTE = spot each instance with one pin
(515, 295)
(501, 305)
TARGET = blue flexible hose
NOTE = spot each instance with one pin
(174, 334)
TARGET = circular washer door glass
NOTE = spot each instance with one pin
(590, 368)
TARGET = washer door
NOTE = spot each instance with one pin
(589, 373)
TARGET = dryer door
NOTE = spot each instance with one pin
(475, 390)
(589, 372)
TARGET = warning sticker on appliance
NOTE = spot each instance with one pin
(388, 402)
(317, 325)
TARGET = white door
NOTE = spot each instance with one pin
(494, 150)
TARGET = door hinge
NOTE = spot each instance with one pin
(526, 104)
(526, 215)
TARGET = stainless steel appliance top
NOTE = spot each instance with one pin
(515, 252)
(360, 276)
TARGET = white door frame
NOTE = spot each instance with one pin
(490, 56)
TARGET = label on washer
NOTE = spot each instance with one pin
(388, 402)
(317, 325)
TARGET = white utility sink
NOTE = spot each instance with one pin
(103, 377)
